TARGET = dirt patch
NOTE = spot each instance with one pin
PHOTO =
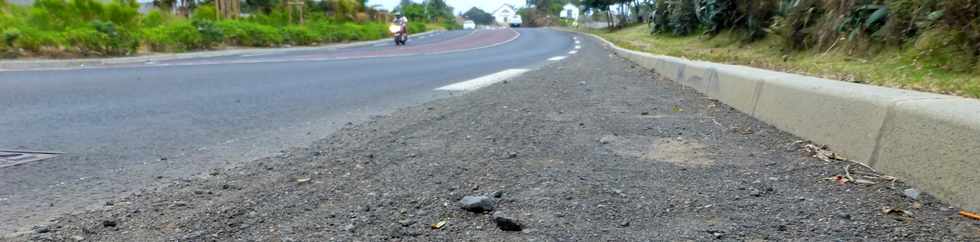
(679, 151)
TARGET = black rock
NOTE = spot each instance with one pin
(108, 223)
(498, 194)
(507, 223)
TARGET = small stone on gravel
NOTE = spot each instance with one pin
(498, 194)
(42, 229)
(506, 222)
(108, 223)
(406, 222)
(349, 228)
(477, 204)
(912, 193)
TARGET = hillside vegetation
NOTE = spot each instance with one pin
(928, 45)
(71, 28)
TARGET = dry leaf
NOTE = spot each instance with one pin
(439, 225)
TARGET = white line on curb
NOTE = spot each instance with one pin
(557, 58)
(483, 81)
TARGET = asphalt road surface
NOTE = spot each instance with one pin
(132, 126)
(588, 147)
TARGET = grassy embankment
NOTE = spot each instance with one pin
(76, 28)
(891, 67)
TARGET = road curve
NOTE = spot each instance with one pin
(129, 127)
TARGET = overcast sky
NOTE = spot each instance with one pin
(458, 5)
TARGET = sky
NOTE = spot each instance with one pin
(458, 5)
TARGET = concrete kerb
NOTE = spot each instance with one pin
(67, 63)
(930, 141)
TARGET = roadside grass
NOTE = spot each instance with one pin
(892, 67)
(60, 28)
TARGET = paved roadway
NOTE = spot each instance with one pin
(133, 126)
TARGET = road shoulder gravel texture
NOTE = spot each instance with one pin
(593, 148)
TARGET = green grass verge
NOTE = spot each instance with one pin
(890, 67)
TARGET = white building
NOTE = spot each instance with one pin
(505, 14)
(570, 11)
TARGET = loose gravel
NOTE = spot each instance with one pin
(592, 148)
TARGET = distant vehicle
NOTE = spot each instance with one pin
(469, 24)
(516, 21)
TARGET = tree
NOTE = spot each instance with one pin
(479, 16)
(345, 9)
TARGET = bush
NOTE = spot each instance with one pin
(211, 35)
(176, 36)
(451, 25)
(154, 18)
(34, 40)
(101, 38)
(300, 35)
(205, 12)
(947, 49)
(416, 27)
(683, 17)
(245, 33)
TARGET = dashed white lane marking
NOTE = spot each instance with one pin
(557, 58)
(483, 81)
(578, 42)
(578, 47)
(573, 52)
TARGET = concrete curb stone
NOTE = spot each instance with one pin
(930, 141)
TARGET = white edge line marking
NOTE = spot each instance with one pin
(483, 81)
(557, 58)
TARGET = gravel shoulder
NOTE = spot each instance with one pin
(592, 148)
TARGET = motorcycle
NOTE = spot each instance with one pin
(400, 34)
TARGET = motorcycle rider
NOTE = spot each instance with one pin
(401, 21)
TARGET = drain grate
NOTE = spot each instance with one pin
(10, 158)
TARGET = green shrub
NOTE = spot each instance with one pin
(34, 40)
(176, 36)
(101, 38)
(371, 31)
(300, 35)
(211, 35)
(415, 27)
(451, 25)
(944, 48)
(10, 36)
(683, 17)
(205, 12)
(154, 18)
(244, 33)
(123, 13)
